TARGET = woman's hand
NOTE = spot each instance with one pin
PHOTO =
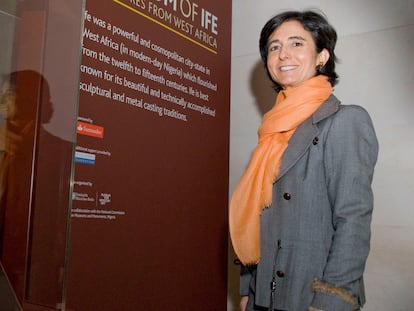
(243, 303)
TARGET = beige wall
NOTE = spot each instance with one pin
(376, 48)
(7, 25)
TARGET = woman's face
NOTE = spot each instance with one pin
(292, 56)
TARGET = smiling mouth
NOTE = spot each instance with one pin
(287, 68)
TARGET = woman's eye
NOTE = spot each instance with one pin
(273, 48)
(297, 43)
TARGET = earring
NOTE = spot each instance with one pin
(319, 68)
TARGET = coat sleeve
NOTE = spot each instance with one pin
(351, 150)
(245, 279)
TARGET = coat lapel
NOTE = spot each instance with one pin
(305, 133)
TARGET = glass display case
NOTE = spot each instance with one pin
(39, 65)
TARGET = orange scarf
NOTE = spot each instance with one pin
(254, 190)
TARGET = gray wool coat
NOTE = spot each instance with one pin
(315, 237)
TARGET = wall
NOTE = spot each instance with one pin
(7, 25)
(158, 168)
(375, 48)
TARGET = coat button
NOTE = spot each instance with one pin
(280, 274)
(315, 141)
(287, 196)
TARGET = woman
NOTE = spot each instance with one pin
(300, 216)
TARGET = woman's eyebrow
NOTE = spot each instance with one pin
(297, 38)
(289, 38)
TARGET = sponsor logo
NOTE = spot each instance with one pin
(90, 129)
(84, 158)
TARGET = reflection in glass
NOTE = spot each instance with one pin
(18, 107)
